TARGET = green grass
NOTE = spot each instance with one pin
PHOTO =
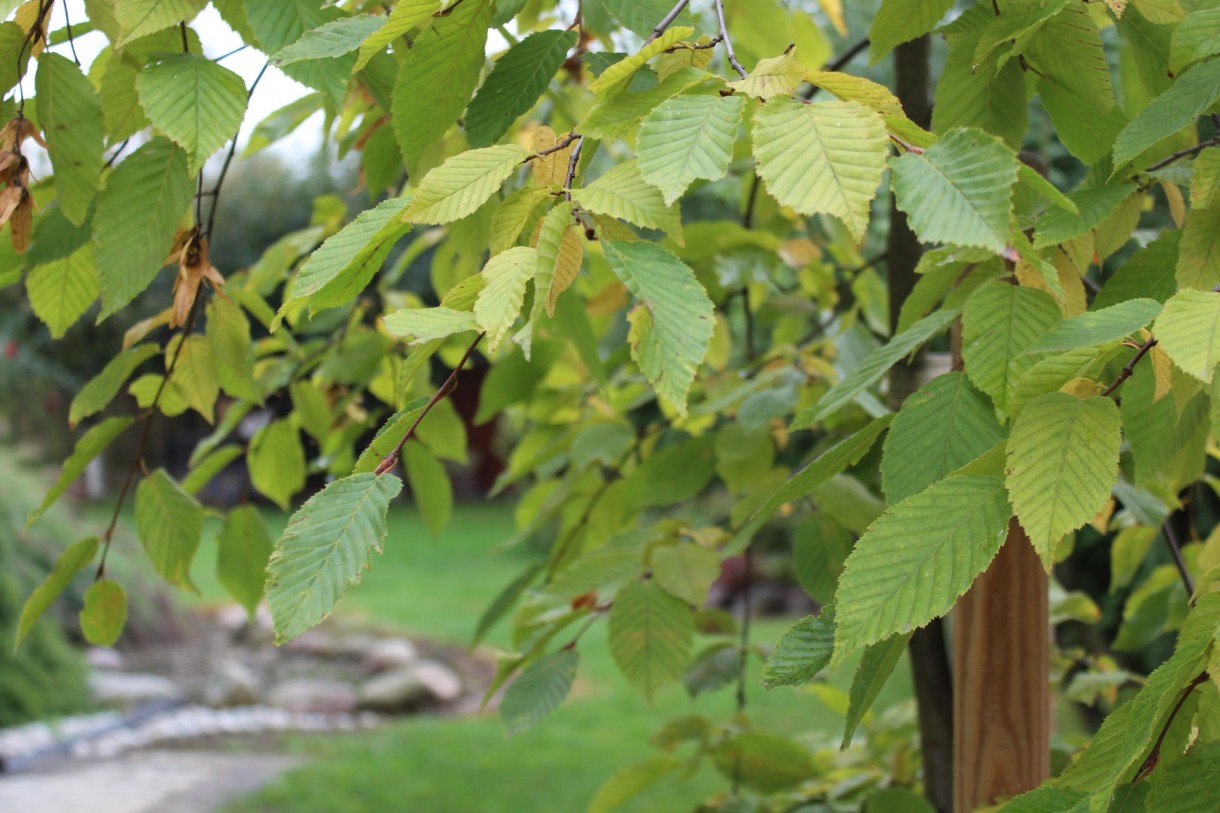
(439, 589)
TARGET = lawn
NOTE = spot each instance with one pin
(446, 765)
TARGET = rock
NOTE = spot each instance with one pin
(130, 689)
(389, 653)
(103, 658)
(234, 684)
(407, 687)
(310, 695)
(324, 643)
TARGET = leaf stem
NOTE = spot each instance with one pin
(1175, 551)
(728, 41)
(388, 462)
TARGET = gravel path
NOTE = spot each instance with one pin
(142, 782)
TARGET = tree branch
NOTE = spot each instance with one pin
(1175, 551)
(224, 169)
(667, 21)
(728, 41)
(1130, 366)
(388, 462)
(1154, 756)
(1186, 153)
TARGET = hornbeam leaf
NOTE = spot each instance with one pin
(437, 76)
(104, 614)
(137, 215)
(623, 193)
(1044, 800)
(514, 84)
(101, 389)
(426, 324)
(243, 548)
(70, 113)
(1093, 207)
(686, 571)
(678, 312)
(999, 322)
(277, 462)
(1188, 329)
(834, 460)
(1068, 49)
(825, 157)
(802, 652)
(325, 549)
(1097, 327)
(959, 191)
(639, 15)
(874, 367)
(169, 522)
(1195, 38)
(499, 303)
(617, 116)
(899, 21)
(917, 559)
(1188, 785)
(62, 290)
(618, 75)
(942, 426)
(332, 39)
(430, 487)
(1062, 462)
(539, 690)
(875, 667)
(406, 15)
(627, 783)
(90, 445)
(687, 138)
(194, 101)
(462, 184)
(1199, 249)
(72, 561)
(857, 89)
(279, 23)
(139, 18)
(1188, 97)
(777, 76)
(650, 636)
(988, 96)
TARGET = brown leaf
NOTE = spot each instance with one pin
(193, 269)
(22, 222)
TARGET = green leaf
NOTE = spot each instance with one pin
(70, 113)
(326, 547)
(836, 459)
(623, 193)
(675, 474)
(1190, 96)
(1199, 250)
(899, 21)
(820, 546)
(989, 96)
(1188, 785)
(338, 271)
(1188, 329)
(959, 191)
(425, 324)
(137, 215)
(1044, 800)
(776, 76)
(620, 114)
(516, 82)
(194, 101)
(1149, 272)
(406, 14)
(825, 157)
(918, 558)
(1195, 38)
(139, 18)
(802, 651)
(765, 762)
(1087, 130)
(1052, 372)
(687, 138)
(1068, 48)
(429, 486)
(1062, 462)
(873, 368)
(1093, 207)
(561, 253)
(640, 16)
(629, 782)
(90, 445)
(1097, 327)
(243, 548)
(686, 571)
(279, 23)
(1031, 181)
(332, 39)
(999, 322)
(101, 389)
(437, 75)
(539, 690)
(499, 303)
(619, 75)
(195, 381)
(209, 466)
(1158, 429)
(875, 668)
(672, 326)
(650, 636)
(104, 614)
(228, 334)
(62, 290)
(169, 522)
(941, 427)
(462, 184)
(897, 800)
(73, 560)
(277, 462)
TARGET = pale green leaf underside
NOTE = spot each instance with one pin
(62, 290)
(918, 558)
(999, 322)
(1188, 329)
(101, 389)
(407, 14)
(326, 547)
(899, 21)
(688, 138)
(1098, 327)
(169, 522)
(876, 666)
(70, 113)
(332, 39)
(650, 636)
(1187, 98)
(345, 253)
(825, 157)
(462, 184)
(499, 303)
(139, 18)
(623, 193)
(194, 101)
(425, 324)
(802, 652)
(1062, 462)
(70, 562)
(539, 690)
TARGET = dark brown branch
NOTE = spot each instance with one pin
(1130, 367)
(728, 41)
(667, 21)
(115, 155)
(1154, 756)
(561, 144)
(71, 41)
(389, 461)
(573, 162)
(1175, 551)
(1185, 153)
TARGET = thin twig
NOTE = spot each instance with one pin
(573, 162)
(1175, 551)
(906, 145)
(667, 21)
(561, 144)
(115, 155)
(71, 42)
(228, 54)
(1154, 756)
(186, 43)
(728, 41)
(388, 462)
(36, 32)
(1130, 367)
(1186, 153)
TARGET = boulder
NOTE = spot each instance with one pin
(407, 687)
(103, 658)
(389, 653)
(126, 690)
(310, 695)
(234, 684)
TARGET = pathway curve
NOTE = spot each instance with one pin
(142, 782)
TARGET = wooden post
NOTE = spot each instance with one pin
(1001, 705)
